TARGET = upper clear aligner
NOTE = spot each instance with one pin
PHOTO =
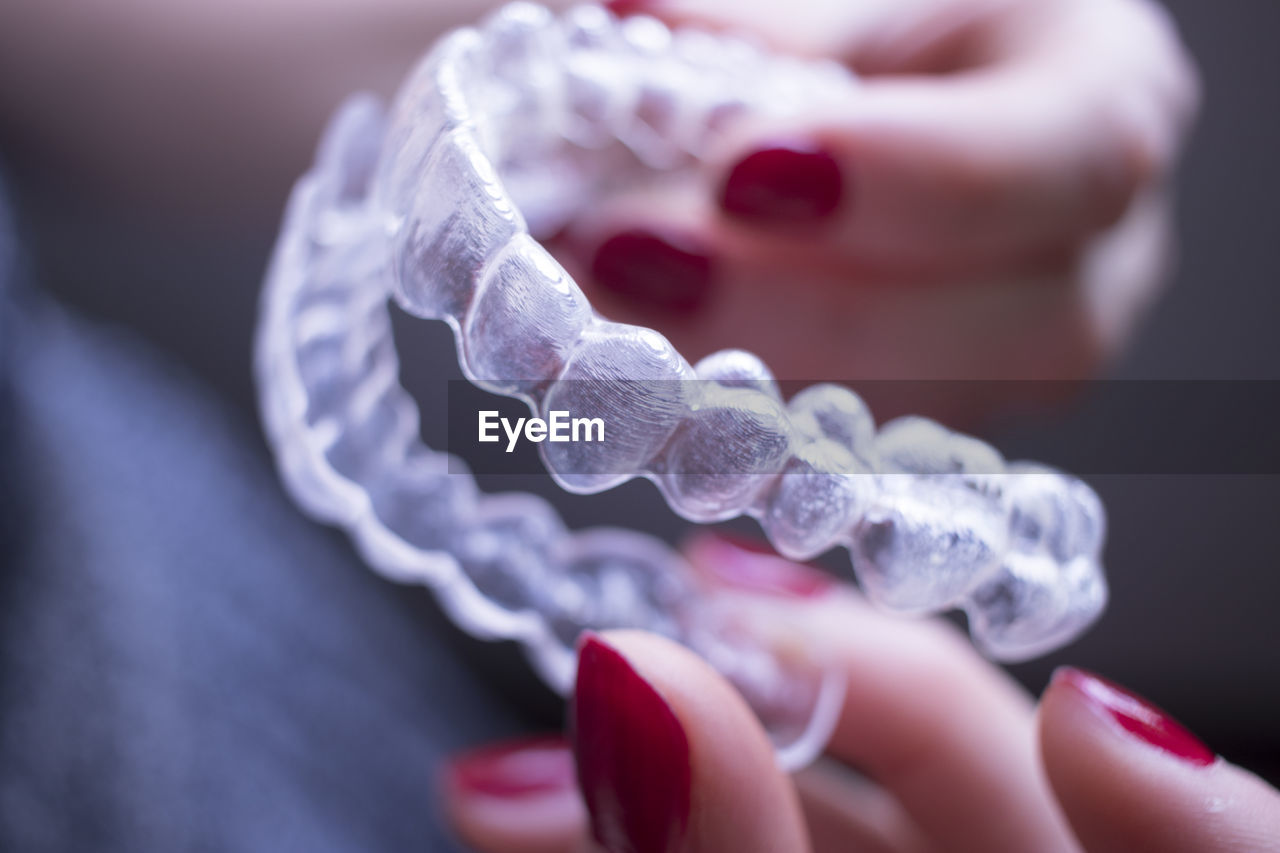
(413, 207)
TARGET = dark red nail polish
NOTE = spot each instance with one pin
(515, 768)
(633, 755)
(1137, 716)
(654, 271)
(752, 565)
(784, 183)
(623, 8)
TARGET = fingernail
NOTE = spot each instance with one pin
(623, 8)
(784, 183)
(752, 565)
(514, 768)
(1136, 716)
(654, 271)
(632, 753)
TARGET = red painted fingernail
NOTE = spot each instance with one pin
(632, 752)
(784, 183)
(514, 768)
(1137, 716)
(623, 8)
(752, 565)
(654, 271)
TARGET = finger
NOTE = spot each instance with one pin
(1123, 272)
(671, 758)
(516, 797)
(1065, 111)
(945, 732)
(1131, 778)
(657, 257)
(846, 811)
(648, 255)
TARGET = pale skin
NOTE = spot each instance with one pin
(1009, 159)
(951, 755)
(1007, 213)
(1012, 222)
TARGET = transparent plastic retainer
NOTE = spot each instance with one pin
(509, 131)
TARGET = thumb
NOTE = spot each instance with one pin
(1131, 778)
(669, 756)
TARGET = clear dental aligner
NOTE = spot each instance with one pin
(508, 131)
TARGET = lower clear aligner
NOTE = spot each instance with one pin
(412, 207)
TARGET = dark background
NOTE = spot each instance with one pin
(1192, 559)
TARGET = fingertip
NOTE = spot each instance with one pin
(512, 768)
(670, 756)
(796, 182)
(626, 8)
(1129, 777)
(1129, 713)
(514, 796)
(631, 750)
(650, 270)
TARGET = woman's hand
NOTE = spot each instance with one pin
(949, 754)
(989, 204)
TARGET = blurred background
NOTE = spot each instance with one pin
(146, 190)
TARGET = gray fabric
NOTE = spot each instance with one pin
(185, 662)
